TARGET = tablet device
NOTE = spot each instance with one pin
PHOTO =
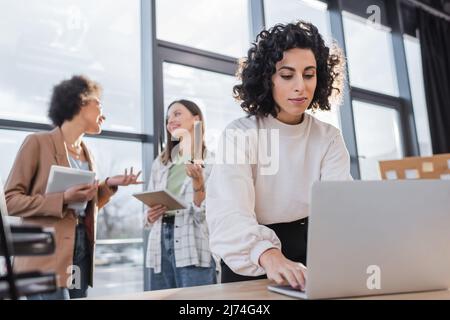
(164, 197)
(62, 178)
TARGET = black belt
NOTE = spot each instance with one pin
(168, 219)
(293, 237)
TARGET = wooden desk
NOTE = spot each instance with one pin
(250, 290)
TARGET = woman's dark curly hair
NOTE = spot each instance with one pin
(69, 96)
(255, 71)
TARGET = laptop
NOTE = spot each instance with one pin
(376, 237)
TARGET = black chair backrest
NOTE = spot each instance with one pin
(6, 244)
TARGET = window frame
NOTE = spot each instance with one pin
(392, 11)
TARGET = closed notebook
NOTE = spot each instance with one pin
(162, 197)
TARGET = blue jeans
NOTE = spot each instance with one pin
(82, 259)
(173, 277)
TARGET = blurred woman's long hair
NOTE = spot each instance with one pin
(171, 143)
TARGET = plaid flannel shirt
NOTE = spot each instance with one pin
(191, 240)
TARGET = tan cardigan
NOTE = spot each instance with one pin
(26, 198)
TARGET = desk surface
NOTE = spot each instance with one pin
(250, 290)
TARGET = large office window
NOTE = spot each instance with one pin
(415, 71)
(216, 26)
(210, 90)
(122, 217)
(370, 55)
(44, 42)
(10, 142)
(378, 135)
(119, 252)
(286, 11)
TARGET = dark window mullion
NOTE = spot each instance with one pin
(408, 120)
(106, 134)
(346, 110)
(194, 51)
(214, 63)
(374, 97)
(257, 17)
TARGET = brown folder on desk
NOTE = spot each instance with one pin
(434, 167)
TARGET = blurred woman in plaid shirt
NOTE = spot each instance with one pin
(178, 253)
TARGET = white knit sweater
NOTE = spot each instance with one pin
(241, 198)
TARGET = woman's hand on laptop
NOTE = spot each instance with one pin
(155, 212)
(282, 270)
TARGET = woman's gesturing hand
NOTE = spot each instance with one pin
(124, 179)
(195, 171)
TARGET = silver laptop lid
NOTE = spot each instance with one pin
(378, 237)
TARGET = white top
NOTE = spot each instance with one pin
(242, 198)
(80, 208)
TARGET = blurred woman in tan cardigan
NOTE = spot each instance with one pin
(75, 110)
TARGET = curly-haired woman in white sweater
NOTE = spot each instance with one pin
(258, 215)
